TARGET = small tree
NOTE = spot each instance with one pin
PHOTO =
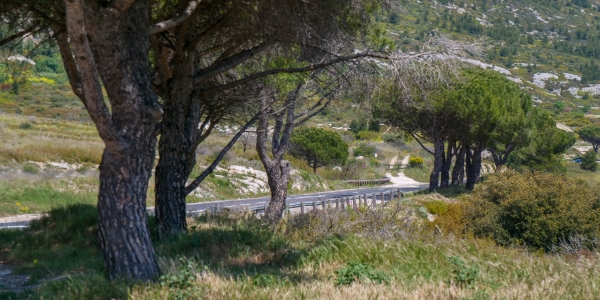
(588, 161)
(318, 147)
(591, 134)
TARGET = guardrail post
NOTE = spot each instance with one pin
(314, 205)
(302, 208)
(287, 210)
(353, 201)
(323, 205)
(337, 203)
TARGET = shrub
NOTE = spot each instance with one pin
(364, 149)
(588, 161)
(538, 209)
(436, 207)
(415, 162)
(31, 168)
(368, 135)
(25, 126)
(450, 221)
(357, 271)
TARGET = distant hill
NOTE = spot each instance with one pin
(549, 47)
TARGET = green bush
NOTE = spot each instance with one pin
(357, 271)
(25, 126)
(31, 168)
(588, 161)
(537, 209)
(415, 162)
(364, 149)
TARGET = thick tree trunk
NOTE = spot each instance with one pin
(459, 166)
(278, 177)
(122, 219)
(111, 45)
(170, 178)
(180, 134)
(438, 161)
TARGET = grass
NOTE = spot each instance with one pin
(574, 171)
(236, 257)
(20, 196)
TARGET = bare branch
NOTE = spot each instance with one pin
(165, 25)
(194, 184)
(18, 35)
(312, 67)
(420, 143)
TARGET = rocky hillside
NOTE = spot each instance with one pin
(549, 47)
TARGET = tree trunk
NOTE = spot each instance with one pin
(459, 166)
(122, 219)
(278, 178)
(111, 45)
(473, 166)
(179, 139)
(438, 161)
(170, 178)
(447, 164)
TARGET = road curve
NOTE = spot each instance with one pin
(293, 199)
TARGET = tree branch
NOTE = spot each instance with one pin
(312, 67)
(18, 35)
(194, 184)
(230, 62)
(422, 146)
(165, 25)
(88, 74)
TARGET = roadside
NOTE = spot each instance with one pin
(402, 180)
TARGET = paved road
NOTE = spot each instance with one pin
(196, 207)
(252, 202)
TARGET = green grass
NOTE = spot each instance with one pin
(574, 171)
(18, 197)
(235, 257)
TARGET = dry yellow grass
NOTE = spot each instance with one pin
(48, 140)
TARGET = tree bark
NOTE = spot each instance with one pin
(473, 165)
(459, 166)
(278, 177)
(447, 164)
(111, 45)
(177, 149)
(438, 161)
(277, 169)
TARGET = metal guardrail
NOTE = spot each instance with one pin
(368, 182)
(337, 203)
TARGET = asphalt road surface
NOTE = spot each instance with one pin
(253, 202)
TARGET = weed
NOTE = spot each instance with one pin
(462, 274)
(268, 280)
(180, 283)
(357, 271)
